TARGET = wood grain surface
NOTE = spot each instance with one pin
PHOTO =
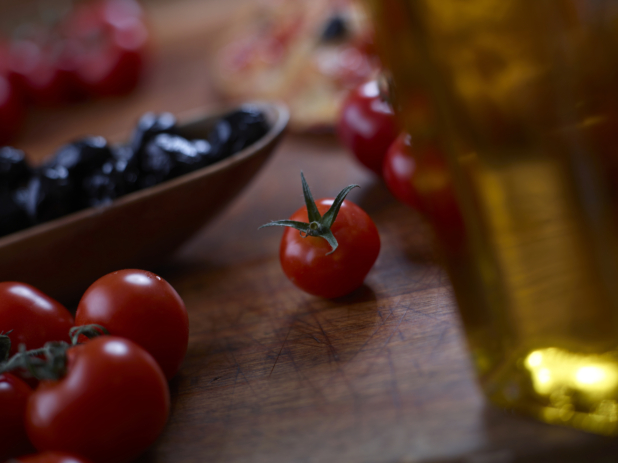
(275, 375)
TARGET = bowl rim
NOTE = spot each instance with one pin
(186, 118)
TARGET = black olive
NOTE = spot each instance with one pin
(14, 168)
(156, 164)
(199, 154)
(13, 215)
(248, 126)
(237, 130)
(126, 169)
(103, 186)
(149, 126)
(185, 156)
(50, 194)
(82, 157)
(220, 139)
(335, 29)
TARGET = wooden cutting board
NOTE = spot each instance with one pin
(381, 375)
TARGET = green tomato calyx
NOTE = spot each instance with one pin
(49, 361)
(90, 331)
(319, 225)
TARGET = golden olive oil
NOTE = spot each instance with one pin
(522, 96)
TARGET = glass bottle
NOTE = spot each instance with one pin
(521, 97)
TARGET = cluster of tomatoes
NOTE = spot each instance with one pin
(418, 176)
(96, 50)
(104, 399)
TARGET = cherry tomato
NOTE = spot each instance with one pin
(12, 110)
(69, 57)
(366, 125)
(114, 67)
(32, 317)
(398, 170)
(430, 189)
(308, 264)
(52, 457)
(33, 70)
(143, 307)
(14, 394)
(111, 405)
(436, 190)
(419, 177)
(109, 39)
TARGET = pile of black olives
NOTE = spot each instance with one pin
(89, 172)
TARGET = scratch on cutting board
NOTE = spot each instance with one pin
(304, 379)
(367, 341)
(281, 350)
(331, 347)
(372, 335)
(338, 363)
(434, 349)
(395, 393)
(395, 329)
(231, 406)
(243, 375)
(380, 351)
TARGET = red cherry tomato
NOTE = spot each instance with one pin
(111, 405)
(12, 110)
(69, 57)
(32, 317)
(419, 177)
(432, 183)
(398, 170)
(366, 125)
(115, 66)
(143, 307)
(53, 457)
(14, 394)
(110, 39)
(305, 260)
(35, 72)
(435, 187)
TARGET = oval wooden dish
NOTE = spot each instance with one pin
(64, 256)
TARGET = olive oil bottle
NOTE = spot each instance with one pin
(522, 98)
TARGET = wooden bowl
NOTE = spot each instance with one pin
(64, 256)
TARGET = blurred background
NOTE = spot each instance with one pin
(78, 67)
(154, 57)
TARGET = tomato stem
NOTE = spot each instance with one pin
(318, 225)
(90, 331)
(52, 365)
